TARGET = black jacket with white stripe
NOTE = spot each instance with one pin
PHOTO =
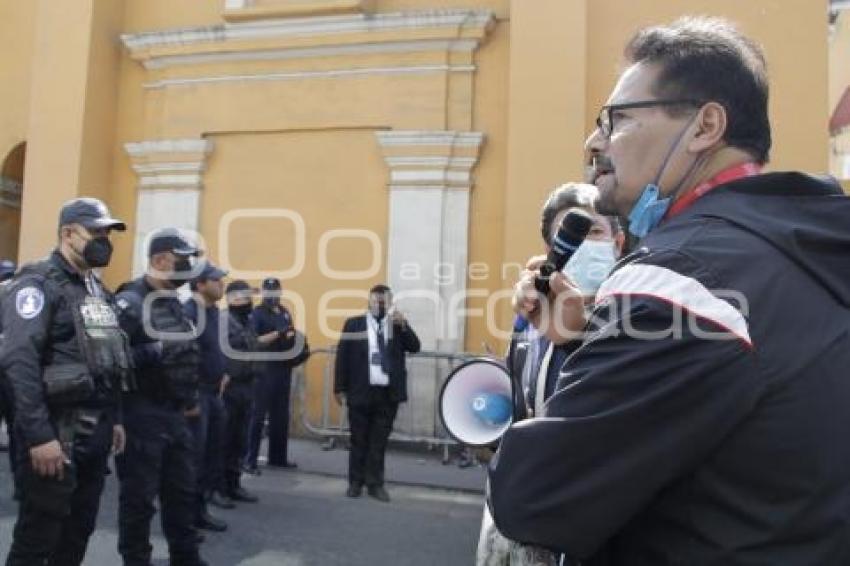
(704, 419)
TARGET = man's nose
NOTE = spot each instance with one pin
(595, 143)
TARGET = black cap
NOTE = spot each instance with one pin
(7, 269)
(171, 240)
(211, 272)
(90, 213)
(239, 286)
(271, 284)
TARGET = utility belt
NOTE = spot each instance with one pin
(68, 383)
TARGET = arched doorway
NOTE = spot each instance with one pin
(11, 186)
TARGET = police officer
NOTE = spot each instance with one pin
(7, 271)
(273, 323)
(159, 460)
(208, 426)
(243, 366)
(67, 360)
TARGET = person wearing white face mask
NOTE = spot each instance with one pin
(588, 267)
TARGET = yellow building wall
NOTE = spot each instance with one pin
(548, 66)
(17, 28)
(791, 32)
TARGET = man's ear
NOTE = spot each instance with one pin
(711, 124)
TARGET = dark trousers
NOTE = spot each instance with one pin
(57, 517)
(272, 390)
(239, 402)
(159, 461)
(371, 423)
(208, 432)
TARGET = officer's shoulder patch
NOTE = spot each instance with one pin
(29, 301)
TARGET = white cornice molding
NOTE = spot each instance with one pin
(169, 164)
(431, 161)
(305, 75)
(161, 180)
(334, 50)
(413, 164)
(137, 149)
(458, 23)
(168, 167)
(306, 27)
(406, 138)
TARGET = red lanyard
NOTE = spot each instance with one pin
(725, 176)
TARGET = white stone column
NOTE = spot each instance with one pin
(170, 182)
(430, 184)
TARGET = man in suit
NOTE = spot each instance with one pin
(371, 377)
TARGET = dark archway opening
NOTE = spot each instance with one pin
(11, 188)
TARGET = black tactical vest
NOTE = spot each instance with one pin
(105, 362)
(242, 364)
(177, 372)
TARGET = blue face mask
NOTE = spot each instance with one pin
(591, 264)
(648, 211)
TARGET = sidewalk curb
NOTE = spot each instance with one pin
(452, 489)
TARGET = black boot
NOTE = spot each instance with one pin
(239, 493)
(209, 523)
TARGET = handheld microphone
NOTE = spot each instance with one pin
(572, 232)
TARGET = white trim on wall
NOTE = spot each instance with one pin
(136, 149)
(310, 27)
(305, 75)
(359, 49)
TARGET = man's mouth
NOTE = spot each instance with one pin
(600, 167)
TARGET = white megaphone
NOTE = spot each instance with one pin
(476, 404)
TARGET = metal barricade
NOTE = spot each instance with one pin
(418, 419)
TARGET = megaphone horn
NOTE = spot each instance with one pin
(475, 402)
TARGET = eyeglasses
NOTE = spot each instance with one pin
(605, 120)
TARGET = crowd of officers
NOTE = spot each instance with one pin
(178, 390)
